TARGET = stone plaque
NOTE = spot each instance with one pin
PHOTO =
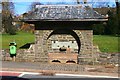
(58, 44)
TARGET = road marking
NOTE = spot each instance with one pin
(92, 76)
(9, 74)
(74, 75)
(24, 73)
(20, 73)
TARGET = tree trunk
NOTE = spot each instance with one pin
(78, 2)
(117, 7)
(85, 1)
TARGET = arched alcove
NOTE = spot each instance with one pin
(67, 32)
(70, 61)
(56, 61)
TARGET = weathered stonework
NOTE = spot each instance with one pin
(41, 49)
(43, 44)
(86, 51)
(66, 25)
(62, 24)
(27, 55)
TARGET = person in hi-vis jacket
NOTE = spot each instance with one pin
(13, 48)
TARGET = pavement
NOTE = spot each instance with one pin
(34, 68)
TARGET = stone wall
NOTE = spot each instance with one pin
(24, 55)
(41, 49)
(86, 39)
(38, 52)
(86, 51)
(43, 43)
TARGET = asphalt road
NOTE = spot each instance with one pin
(52, 78)
(36, 76)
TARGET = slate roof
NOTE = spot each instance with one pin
(63, 12)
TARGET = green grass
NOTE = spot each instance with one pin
(21, 38)
(105, 43)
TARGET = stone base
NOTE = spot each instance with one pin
(63, 57)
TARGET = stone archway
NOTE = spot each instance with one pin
(64, 33)
(83, 37)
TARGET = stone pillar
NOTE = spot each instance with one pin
(86, 39)
(41, 49)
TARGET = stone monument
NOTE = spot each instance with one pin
(60, 26)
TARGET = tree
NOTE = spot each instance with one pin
(7, 17)
(98, 29)
(112, 24)
(78, 2)
(117, 7)
(33, 5)
(118, 14)
(84, 1)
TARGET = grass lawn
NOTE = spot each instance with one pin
(21, 38)
(105, 43)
